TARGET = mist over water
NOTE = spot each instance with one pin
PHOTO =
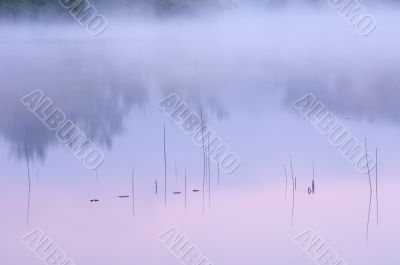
(242, 66)
(208, 59)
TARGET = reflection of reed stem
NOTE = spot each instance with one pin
(133, 190)
(209, 171)
(285, 183)
(376, 188)
(370, 192)
(204, 159)
(293, 189)
(165, 172)
(29, 186)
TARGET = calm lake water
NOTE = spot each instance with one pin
(242, 70)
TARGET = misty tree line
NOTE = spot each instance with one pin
(38, 7)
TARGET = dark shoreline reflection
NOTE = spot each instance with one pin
(216, 69)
